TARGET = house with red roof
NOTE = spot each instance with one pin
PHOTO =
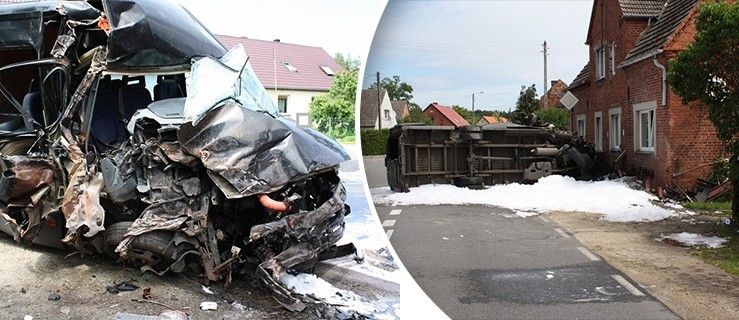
(293, 74)
(444, 116)
(491, 119)
(626, 107)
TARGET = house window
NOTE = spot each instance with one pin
(600, 63)
(613, 58)
(581, 125)
(289, 66)
(597, 131)
(614, 129)
(387, 114)
(282, 104)
(644, 127)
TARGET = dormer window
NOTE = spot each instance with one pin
(327, 70)
(289, 67)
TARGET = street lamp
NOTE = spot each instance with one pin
(473, 106)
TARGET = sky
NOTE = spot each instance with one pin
(447, 50)
(337, 26)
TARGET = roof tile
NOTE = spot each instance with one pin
(266, 57)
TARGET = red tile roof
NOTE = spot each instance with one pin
(491, 119)
(450, 114)
(268, 56)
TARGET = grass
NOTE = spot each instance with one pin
(726, 258)
(711, 207)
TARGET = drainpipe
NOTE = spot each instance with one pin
(664, 79)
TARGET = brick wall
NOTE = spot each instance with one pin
(685, 138)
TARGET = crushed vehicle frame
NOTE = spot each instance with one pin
(115, 139)
(478, 156)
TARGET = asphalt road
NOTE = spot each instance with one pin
(479, 262)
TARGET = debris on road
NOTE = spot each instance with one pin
(54, 296)
(208, 305)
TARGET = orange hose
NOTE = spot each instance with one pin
(271, 204)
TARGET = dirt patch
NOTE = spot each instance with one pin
(690, 287)
(30, 274)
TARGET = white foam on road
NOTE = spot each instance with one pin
(693, 239)
(613, 198)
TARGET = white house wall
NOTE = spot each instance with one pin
(297, 101)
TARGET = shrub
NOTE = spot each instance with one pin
(374, 142)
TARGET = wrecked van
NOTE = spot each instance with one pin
(127, 129)
(476, 156)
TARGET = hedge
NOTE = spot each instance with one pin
(374, 142)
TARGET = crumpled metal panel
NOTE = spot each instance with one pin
(151, 34)
(248, 153)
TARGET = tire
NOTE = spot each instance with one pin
(469, 182)
(150, 248)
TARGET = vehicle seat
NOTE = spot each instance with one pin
(106, 124)
(167, 87)
(133, 95)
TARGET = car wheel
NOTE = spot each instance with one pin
(469, 182)
(147, 249)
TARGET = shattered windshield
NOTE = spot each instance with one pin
(214, 81)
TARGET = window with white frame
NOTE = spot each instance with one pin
(600, 63)
(645, 126)
(614, 129)
(387, 114)
(581, 125)
(597, 131)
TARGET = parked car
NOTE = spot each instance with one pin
(477, 156)
(127, 129)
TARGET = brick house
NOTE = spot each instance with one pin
(444, 116)
(551, 98)
(626, 107)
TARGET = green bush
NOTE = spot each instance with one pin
(374, 142)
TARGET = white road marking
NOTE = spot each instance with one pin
(388, 223)
(544, 219)
(588, 254)
(395, 212)
(627, 285)
(562, 233)
(389, 233)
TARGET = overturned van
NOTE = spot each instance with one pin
(476, 156)
(126, 128)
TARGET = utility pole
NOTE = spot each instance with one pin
(473, 106)
(546, 97)
(379, 104)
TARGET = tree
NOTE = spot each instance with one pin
(526, 104)
(708, 71)
(558, 117)
(396, 89)
(415, 115)
(333, 113)
(347, 62)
